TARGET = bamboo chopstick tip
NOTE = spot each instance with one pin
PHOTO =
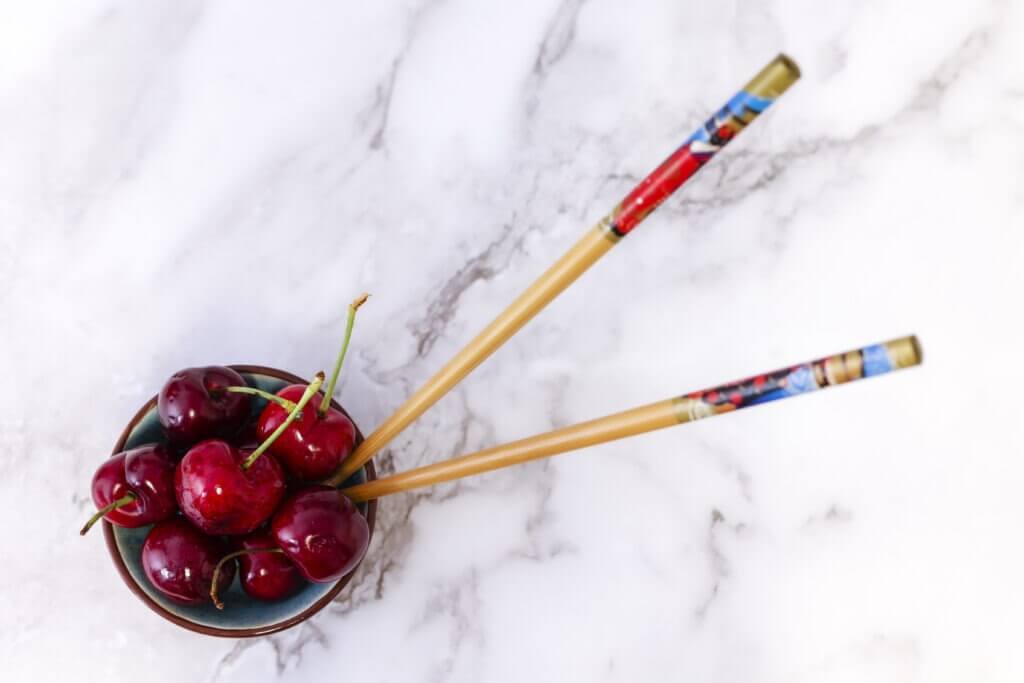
(352, 494)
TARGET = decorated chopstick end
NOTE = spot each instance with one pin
(745, 106)
(868, 361)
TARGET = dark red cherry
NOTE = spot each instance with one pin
(134, 488)
(219, 495)
(322, 532)
(314, 445)
(179, 561)
(267, 575)
(194, 405)
(246, 436)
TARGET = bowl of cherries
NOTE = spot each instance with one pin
(211, 504)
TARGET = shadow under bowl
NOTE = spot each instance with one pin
(242, 616)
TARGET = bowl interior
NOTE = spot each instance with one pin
(242, 615)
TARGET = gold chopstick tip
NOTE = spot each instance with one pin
(774, 79)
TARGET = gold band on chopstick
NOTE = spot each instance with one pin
(774, 79)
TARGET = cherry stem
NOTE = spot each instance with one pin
(313, 387)
(120, 502)
(273, 398)
(325, 405)
(228, 558)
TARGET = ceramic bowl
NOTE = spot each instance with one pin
(242, 616)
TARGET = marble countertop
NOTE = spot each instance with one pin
(187, 183)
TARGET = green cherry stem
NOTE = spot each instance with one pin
(329, 394)
(273, 398)
(313, 387)
(120, 502)
(228, 558)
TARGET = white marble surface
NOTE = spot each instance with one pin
(187, 183)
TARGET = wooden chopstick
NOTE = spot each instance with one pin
(868, 361)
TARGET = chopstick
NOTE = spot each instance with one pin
(738, 112)
(868, 361)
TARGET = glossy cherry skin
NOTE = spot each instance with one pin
(312, 447)
(148, 473)
(179, 562)
(193, 405)
(322, 532)
(220, 497)
(267, 576)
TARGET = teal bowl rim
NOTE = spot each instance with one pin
(112, 548)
